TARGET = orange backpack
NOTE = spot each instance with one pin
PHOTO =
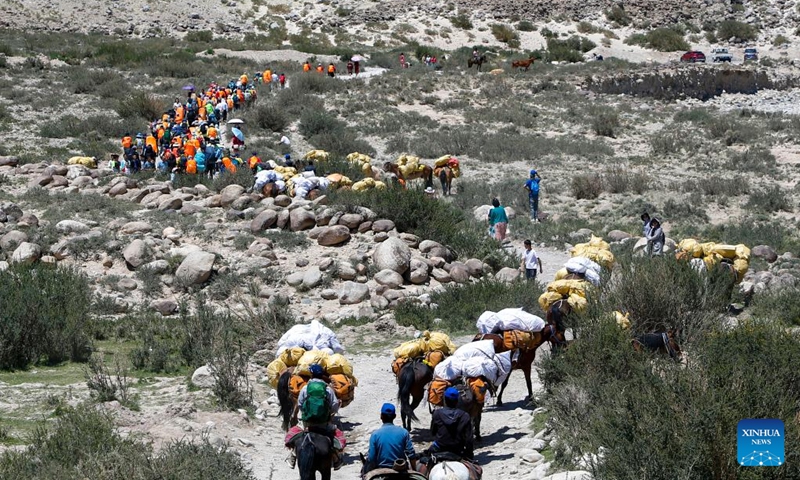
(397, 365)
(191, 166)
(433, 358)
(343, 388)
(436, 391)
(296, 384)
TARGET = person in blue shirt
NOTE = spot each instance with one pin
(532, 186)
(389, 443)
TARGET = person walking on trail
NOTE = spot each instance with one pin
(350, 67)
(318, 404)
(331, 70)
(655, 239)
(282, 80)
(389, 444)
(307, 67)
(645, 224)
(532, 186)
(319, 68)
(530, 261)
(452, 428)
(498, 221)
(403, 60)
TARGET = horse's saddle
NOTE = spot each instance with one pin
(391, 474)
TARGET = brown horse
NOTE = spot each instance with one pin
(425, 173)
(270, 190)
(287, 401)
(445, 175)
(468, 403)
(522, 63)
(411, 381)
(477, 61)
(661, 342)
(526, 357)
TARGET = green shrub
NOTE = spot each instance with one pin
(661, 39)
(569, 50)
(268, 116)
(84, 443)
(605, 121)
(199, 36)
(618, 15)
(586, 186)
(141, 105)
(755, 160)
(460, 306)
(106, 386)
(780, 40)
(782, 306)
(734, 29)
(288, 240)
(526, 26)
(768, 200)
(505, 34)
(690, 210)
(621, 180)
(461, 21)
(603, 393)
(45, 312)
(228, 367)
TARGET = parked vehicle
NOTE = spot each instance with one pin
(721, 55)
(750, 54)
(693, 56)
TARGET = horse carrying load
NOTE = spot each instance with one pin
(713, 254)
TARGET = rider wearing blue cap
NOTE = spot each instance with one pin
(452, 428)
(315, 397)
(389, 443)
(532, 186)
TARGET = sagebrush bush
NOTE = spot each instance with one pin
(605, 121)
(84, 443)
(45, 313)
(569, 50)
(461, 21)
(228, 367)
(141, 105)
(618, 15)
(505, 34)
(661, 39)
(738, 30)
(757, 160)
(769, 200)
(268, 116)
(586, 186)
(782, 306)
(622, 180)
(459, 306)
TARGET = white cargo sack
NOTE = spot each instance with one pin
(517, 319)
(581, 264)
(313, 336)
(487, 321)
(592, 277)
(483, 349)
(503, 361)
(448, 369)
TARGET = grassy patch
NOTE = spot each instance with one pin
(661, 39)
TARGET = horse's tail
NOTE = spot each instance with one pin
(443, 175)
(306, 456)
(285, 399)
(407, 376)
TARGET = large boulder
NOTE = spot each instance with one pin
(335, 235)
(382, 226)
(202, 377)
(26, 253)
(475, 267)
(392, 254)
(195, 268)
(164, 306)
(263, 221)
(71, 226)
(481, 212)
(167, 202)
(6, 161)
(301, 219)
(418, 272)
(229, 194)
(117, 190)
(351, 293)
(765, 252)
(312, 278)
(135, 254)
(459, 273)
(350, 220)
(618, 235)
(136, 227)
(508, 274)
(11, 240)
(389, 278)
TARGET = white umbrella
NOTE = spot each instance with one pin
(357, 58)
(235, 121)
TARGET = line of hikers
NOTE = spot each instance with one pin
(331, 69)
(390, 446)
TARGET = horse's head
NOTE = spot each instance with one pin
(270, 190)
(314, 194)
(388, 167)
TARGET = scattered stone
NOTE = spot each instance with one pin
(389, 278)
(118, 189)
(136, 227)
(169, 203)
(312, 277)
(283, 200)
(12, 240)
(202, 377)
(229, 194)
(382, 226)
(301, 219)
(295, 279)
(441, 275)
(350, 220)
(195, 268)
(475, 267)
(459, 273)
(507, 274)
(334, 235)
(352, 293)
(765, 252)
(263, 221)
(135, 254)
(392, 254)
(26, 253)
(328, 294)
(127, 284)
(618, 235)
(165, 306)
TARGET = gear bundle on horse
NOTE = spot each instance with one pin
(425, 172)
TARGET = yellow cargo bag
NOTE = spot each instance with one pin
(725, 251)
(578, 303)
(561, 274)
(433, 358)
(441, 341)
(274, 370)
(291, 356)
(87, 162)
(338, 364)
(380, 185)
(598, 242)
(742, 252)
(711, 260)
(741, 266)
(692, 247)
(568, 287)
(310, 358)
(708, 248)
(411, 349)
(623, 321)
(442, 161)
(548, 298)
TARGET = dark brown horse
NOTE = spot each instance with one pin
(314, 454)
(526, 357)
(270, 190)
(287, 402)
(522, 63)
(445, 175)
(425, 173)
(477, 61)
(468, 403)
(411, 381)
(664, 343)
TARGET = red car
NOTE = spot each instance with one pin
(693, 57)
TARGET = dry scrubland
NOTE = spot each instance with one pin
(135, 333)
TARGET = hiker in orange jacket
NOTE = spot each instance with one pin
(306, 67)
(320, 69)
(253, 161)
(331, 70)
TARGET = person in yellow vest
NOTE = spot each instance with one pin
(331, 70)
(307, 67)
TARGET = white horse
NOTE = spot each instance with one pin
(449, 471)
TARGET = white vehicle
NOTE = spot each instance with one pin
(721, 55)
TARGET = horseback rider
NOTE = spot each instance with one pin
(389, 443)
(475, 53)
(318, 404)
(452, 428)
